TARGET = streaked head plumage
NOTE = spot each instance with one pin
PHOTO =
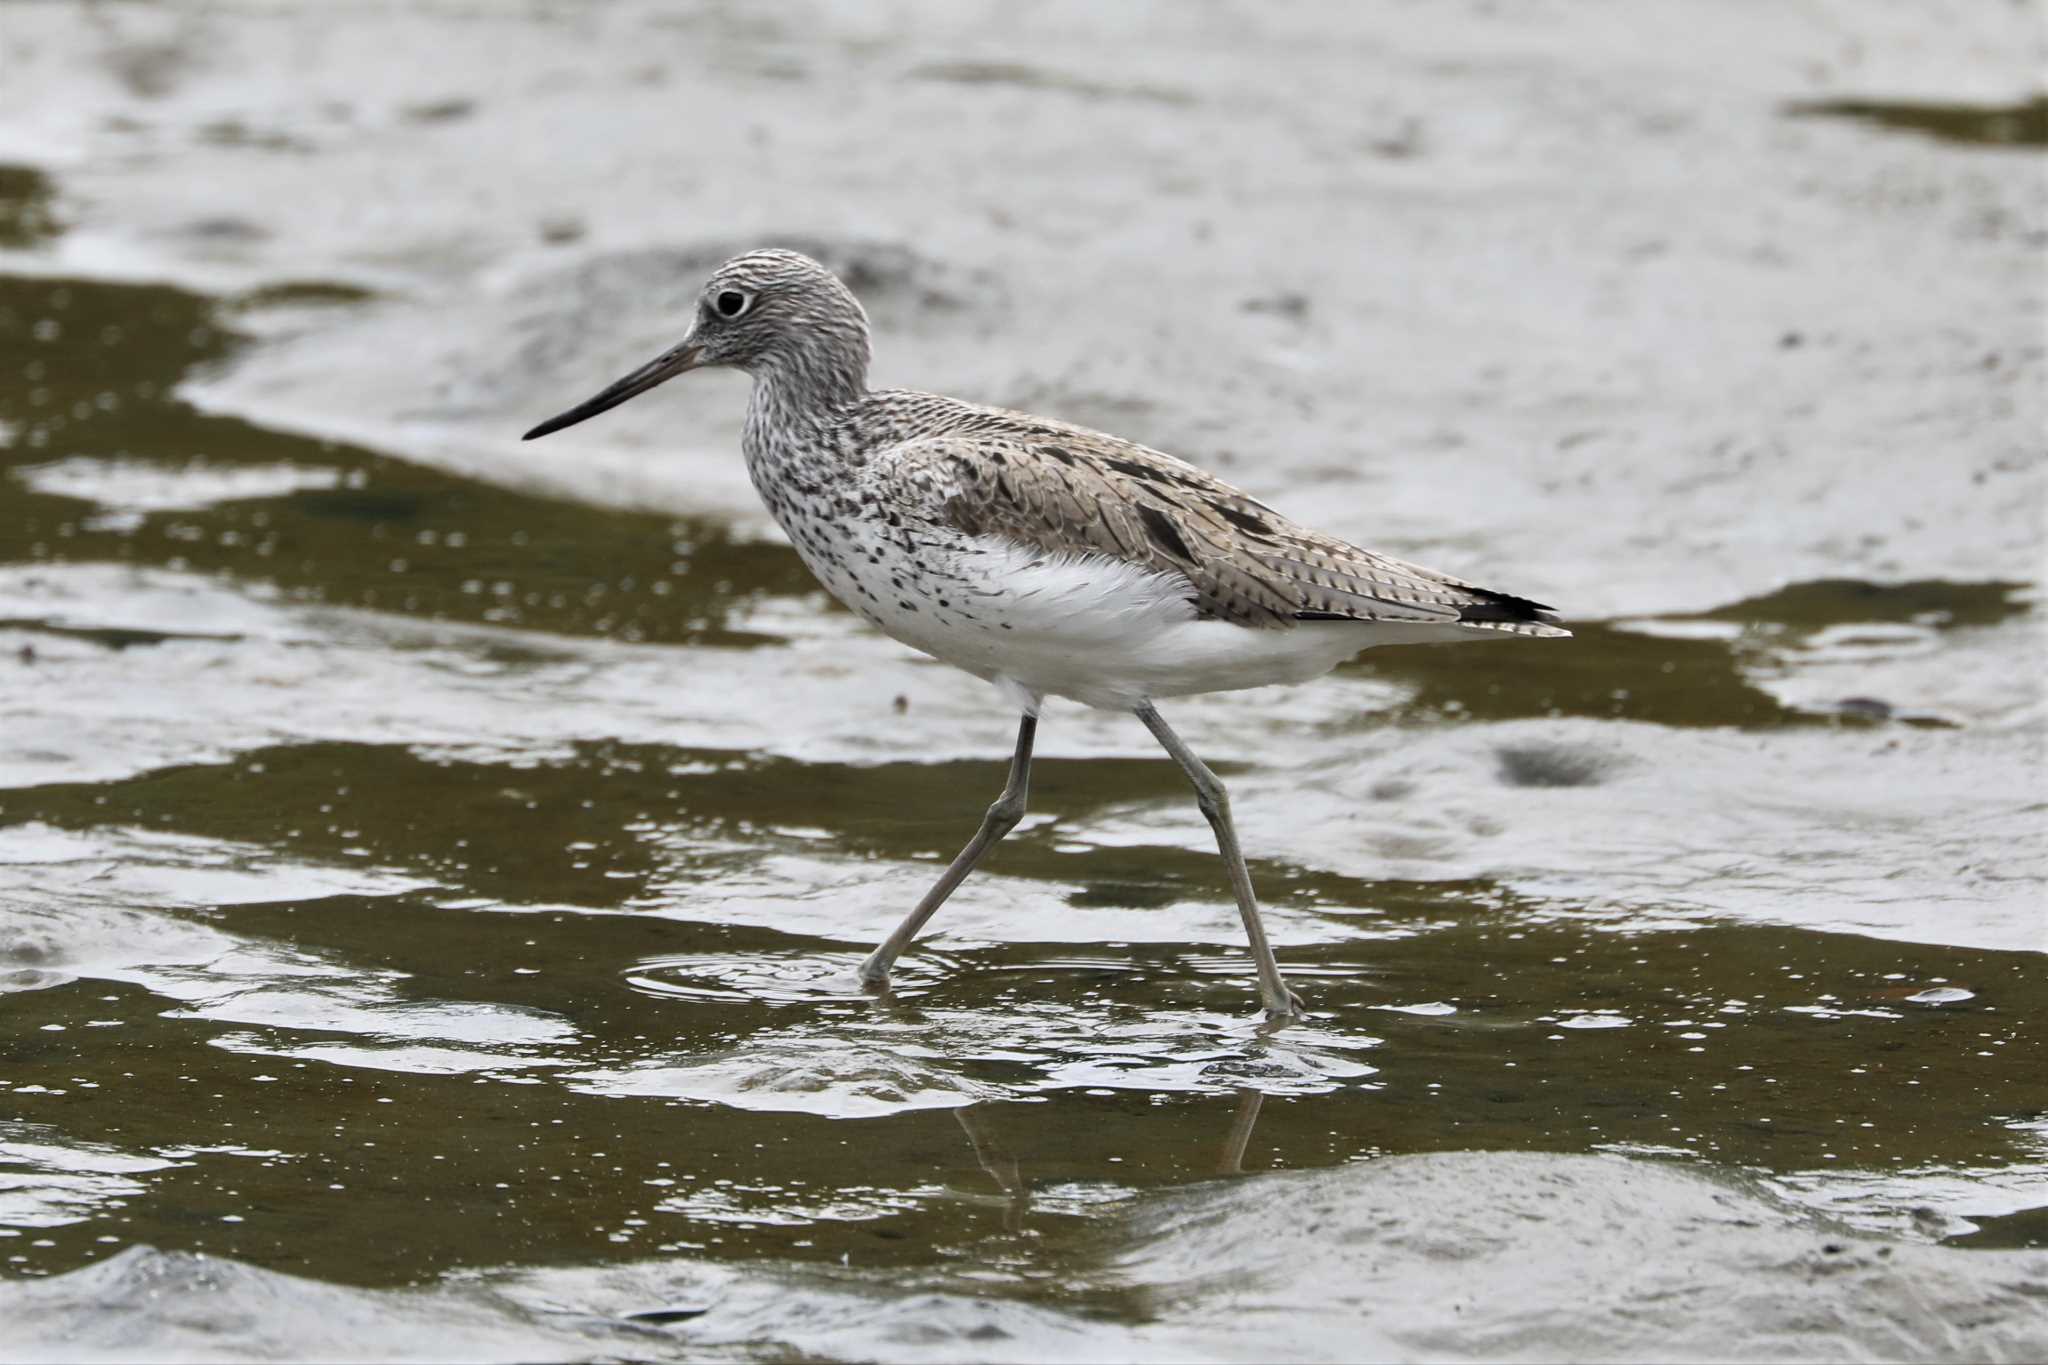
(776, 314)
(773, 305)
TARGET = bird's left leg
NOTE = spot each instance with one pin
(1241, 1125)
(1001, 1166)
(1280, 1002)
(1002, 817)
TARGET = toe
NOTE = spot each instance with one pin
(1294, 1011)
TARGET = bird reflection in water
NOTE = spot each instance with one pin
(1001, 1165)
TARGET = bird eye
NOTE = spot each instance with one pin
(731, 303)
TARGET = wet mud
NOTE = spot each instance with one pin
(432, 870)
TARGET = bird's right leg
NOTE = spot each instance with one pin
(1002, 817)
(1214, 802)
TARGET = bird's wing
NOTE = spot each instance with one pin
(1070, 492)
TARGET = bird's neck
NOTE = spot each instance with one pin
(801, 390)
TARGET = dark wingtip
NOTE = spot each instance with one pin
(1500, 607)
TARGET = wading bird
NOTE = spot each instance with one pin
(1051, 560)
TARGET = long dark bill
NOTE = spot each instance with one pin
(665, 366)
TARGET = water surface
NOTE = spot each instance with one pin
(432, 872)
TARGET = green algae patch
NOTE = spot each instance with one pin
(27, 217)
(2024, 124)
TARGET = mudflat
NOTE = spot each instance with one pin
(432, 868)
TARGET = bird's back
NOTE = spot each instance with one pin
(1065, 490)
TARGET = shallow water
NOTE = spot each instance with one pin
(432, 869)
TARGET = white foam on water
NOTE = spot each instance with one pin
(823, 1074)
(105, 905)
(48, 1180)
(1558, 1257)
(129, 489)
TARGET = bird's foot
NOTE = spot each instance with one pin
(874, 972)
(1292, 1011)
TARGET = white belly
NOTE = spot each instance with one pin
(1098, 630)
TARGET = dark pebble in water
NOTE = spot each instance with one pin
(302, 294)
(225, 229)
(1285, 304)
(561, 231)
(440, 111)
(1865, 708)
(1551, 765)
(663, 1316)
